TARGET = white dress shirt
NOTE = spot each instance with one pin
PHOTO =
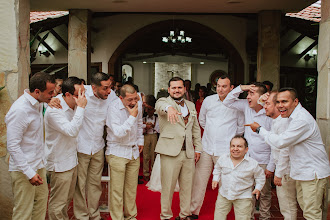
(25, 138)
(237, 182)
(280, 156)
(258, 148)
(308, 158)
(125, 132)
(61, 129)
(154, 120)
(90, 138)
(220, 124)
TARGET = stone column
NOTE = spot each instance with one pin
(268, 58)
(14, 76)
(79, 55)
(323, 68)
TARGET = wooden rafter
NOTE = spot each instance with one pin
(308, 49)
(294, 43)
(59, 38)
(45, 44)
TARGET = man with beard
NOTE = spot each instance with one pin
(179, 133)
(91, 147)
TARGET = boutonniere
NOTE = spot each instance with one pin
(193, 113)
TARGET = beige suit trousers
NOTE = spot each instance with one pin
(62, 187)
(123, 186)
(287, 198)
(89, 176)
(150, 141)
(172, 169)
(310, 196)
(203, 171)
(265, 199)
(242, 208)
(30, 202)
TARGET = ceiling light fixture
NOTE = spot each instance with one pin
(177, 37)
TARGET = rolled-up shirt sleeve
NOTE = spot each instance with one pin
(259, 177)
(16, 125)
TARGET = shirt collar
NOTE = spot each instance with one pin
(261, 112)
(30, 98)
(64, 105)
(295, 111)
(89, 90)
(121, 105)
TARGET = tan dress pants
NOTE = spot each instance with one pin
(172, 169)
(30, 202)
(265, 199)
(287, 198)
(123, 186)
(150, 141)
(203, 171)
(310, 196)
(89, 176)
(242, 208)
(62, 187)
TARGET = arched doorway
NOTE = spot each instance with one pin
(206, 41)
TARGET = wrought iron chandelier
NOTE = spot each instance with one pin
(177, 37)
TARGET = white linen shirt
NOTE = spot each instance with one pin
(308, 158)
(258, 148)
(280, 156)
(25, 138)
(90, 138)
(61, 131)
(237, 182)
(220, 124)
(125, 132)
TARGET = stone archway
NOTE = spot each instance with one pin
(235, 66)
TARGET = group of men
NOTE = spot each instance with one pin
(280, 135)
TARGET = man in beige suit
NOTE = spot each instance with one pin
(179, 133)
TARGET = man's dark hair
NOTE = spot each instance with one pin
(83, 81)
(268, 83)
(204, 90)
(275, 95)
(225, 76)
(39, 81)
(293, 92)
(240, 137)
(98, 77)
(68, 84)
(150, 100)
(176, 78)
(261, 87)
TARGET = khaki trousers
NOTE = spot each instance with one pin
(123, 186)
(62, 187)
(203, 171)
(265, 199)
(310, 196)
(89, 176)
(287, 198)
(242, 208)
(172, 169)
(30, 202)
(150, 141)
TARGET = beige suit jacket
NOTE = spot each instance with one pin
(172, 136)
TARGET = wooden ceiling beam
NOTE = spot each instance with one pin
(59, 38)
(308, 49)
(294, 43)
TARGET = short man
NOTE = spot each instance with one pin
(309, 161)
(238, 173)
(25, 144)
(58, 86)
(124, 145)
(285, 185)
(90, 148)
(258, 149)
(61, 128)
(150, 132)
(179, 133)
(220, 124)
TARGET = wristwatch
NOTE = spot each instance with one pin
(258, 129)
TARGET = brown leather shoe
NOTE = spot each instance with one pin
(186, 218)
